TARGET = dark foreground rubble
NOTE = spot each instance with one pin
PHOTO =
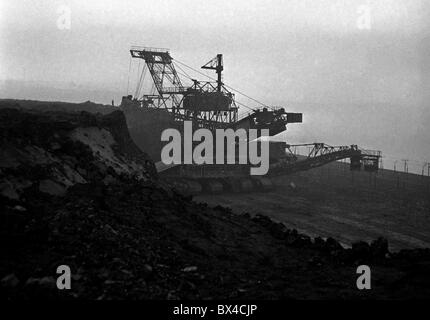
(142, 242)
(129, 237)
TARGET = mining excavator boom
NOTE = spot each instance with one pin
(211, 105)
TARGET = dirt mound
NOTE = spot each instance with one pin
(51, 151)
(140, 241)
(76, 191)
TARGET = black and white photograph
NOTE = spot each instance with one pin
(213, 156)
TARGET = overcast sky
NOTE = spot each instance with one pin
(359, 70)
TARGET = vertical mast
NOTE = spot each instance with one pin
(217, 65)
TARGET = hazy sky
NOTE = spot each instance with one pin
(359, 70)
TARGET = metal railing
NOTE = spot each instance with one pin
(179, 89)
(142, 48)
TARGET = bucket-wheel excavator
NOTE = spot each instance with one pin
(212, 105)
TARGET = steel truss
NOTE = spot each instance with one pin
(171, 91)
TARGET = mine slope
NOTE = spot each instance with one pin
(332, 201)
(77, 191)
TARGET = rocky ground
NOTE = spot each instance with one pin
(137, 241)
(129, 237)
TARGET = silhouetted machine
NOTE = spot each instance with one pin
(209, 104)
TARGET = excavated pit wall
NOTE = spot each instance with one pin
(134, 239)
(52, 151)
